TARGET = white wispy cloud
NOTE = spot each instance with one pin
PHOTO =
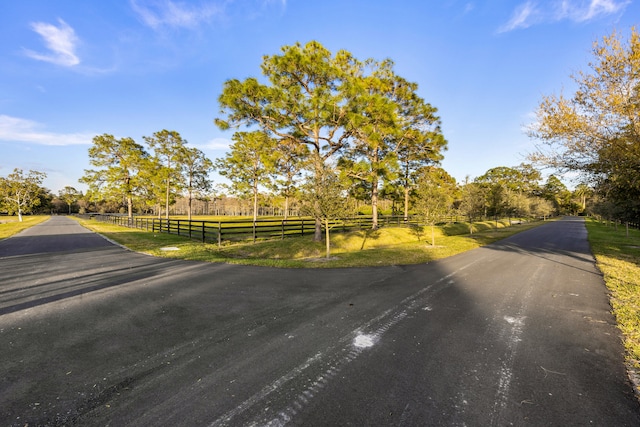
(61, 41)
(586, 11)
(168, 13)
(522, 17)
(14, 129)
(532, 13)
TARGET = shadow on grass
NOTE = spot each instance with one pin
(368, 234)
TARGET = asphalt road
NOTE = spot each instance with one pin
(515, 333)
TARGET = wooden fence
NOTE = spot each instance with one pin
(242, 230)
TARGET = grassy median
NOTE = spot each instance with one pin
(618, 258)
(386, 246)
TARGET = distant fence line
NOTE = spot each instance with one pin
(237, 230)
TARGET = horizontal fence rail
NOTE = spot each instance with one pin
(242, 230)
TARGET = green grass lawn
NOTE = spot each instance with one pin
(9, 225)
(618, 258)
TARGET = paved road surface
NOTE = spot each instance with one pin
(515, 333)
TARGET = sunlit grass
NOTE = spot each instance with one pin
(386, 246)
(618, 258)
(9, 225)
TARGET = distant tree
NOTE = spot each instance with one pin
(557, 193)
(583, 192)
(541, 207)
(392, 192)
(472, 201)
(434, 196)
(248, 164)
(196, 169)
(323, 198)
(119, 162)
(289, 163)
(69, 196)
(517, 204)
(507, 188)
(168, 149)
(522, 179)
(20, 193)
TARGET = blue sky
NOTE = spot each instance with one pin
(71, 70)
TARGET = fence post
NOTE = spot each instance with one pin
(302, 228)
(254, 231)
(203, 232)
(282, 235)
(219, 234)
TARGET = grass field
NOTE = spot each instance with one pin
(618, 258)
(9, 225)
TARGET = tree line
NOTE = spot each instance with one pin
(323, 134)
(500, 192)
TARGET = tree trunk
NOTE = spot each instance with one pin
(326, 237)
(374, 203)
(433, 236)
(286, 207)
(406, 203)
(129, 206)
(317, 234)
(255, 204)
(166, 214)
(319, 170)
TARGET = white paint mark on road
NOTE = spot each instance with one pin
(516, 321)
(512, 335)
(364, 341)
(505, 372)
